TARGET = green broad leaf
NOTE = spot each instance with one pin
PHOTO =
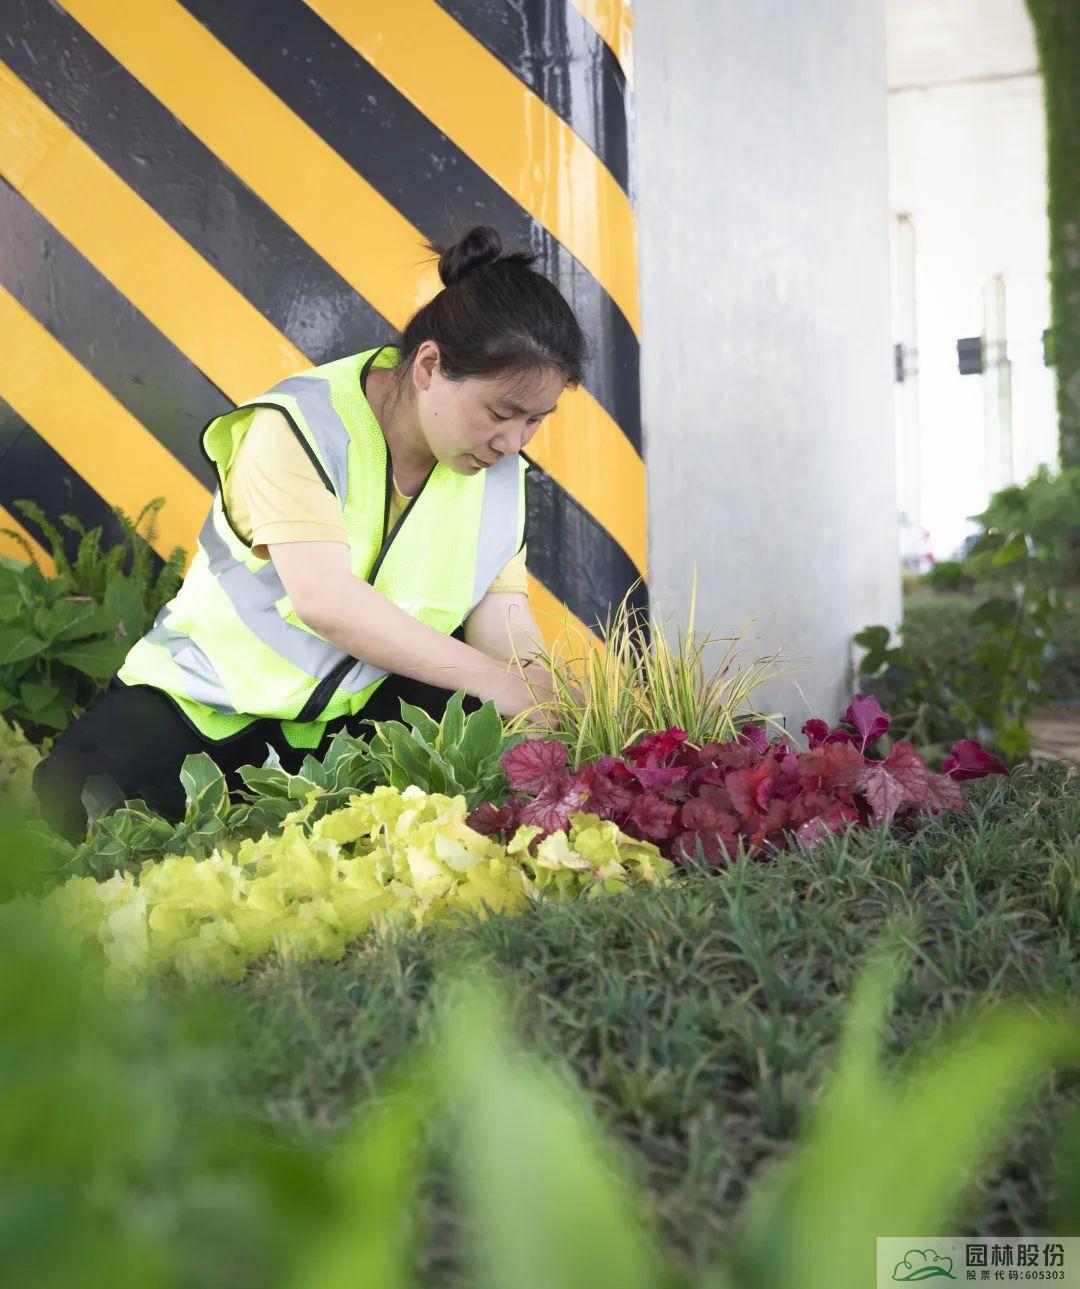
(420, 720)
(409, 765)
(204, 784)
(312, 769)
(7, 699)
(57, 716)
(99, 795)
(37, 697)
(18, 644)
(483, 736)
(1015, 548)
(99, 659)
(996, 612)
(125, 599)
(300, 786)
(80, 621)
(453, 723)
(265, 782)
(11, 606)
(441, 777)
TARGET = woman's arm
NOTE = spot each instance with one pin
(350, 613)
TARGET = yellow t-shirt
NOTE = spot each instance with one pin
(273, 494)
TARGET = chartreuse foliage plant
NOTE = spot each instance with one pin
(633, 682)
(386, 858)
(18, 757)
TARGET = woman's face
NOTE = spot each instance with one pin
(471, 424)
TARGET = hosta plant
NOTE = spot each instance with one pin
(457, 755)
(743, 792)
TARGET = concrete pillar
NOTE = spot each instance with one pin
(767, 359)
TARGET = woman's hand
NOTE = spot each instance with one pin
(515, 695)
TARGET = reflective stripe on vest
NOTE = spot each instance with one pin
(229, 646)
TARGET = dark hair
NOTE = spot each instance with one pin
(495, 316)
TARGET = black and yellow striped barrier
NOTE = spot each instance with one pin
(199, 199)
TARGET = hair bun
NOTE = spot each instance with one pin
(480, 245)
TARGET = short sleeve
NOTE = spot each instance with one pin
(512, 578)
(272, 490)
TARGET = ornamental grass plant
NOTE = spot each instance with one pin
(634, 682)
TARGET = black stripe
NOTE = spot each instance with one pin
(416, 168)
(104, 332)
(233, 229)
(30, 469)
(576, 559)
(550, 47)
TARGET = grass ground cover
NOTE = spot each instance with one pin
(700, 1018)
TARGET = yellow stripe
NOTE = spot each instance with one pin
(583, 444)
(13, 550)
(313, 190)
(268, 146)
(131, 245)
(613, 21)
(564, 633)
(95, 434)
(507, 129)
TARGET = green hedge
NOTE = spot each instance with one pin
(1057, 35)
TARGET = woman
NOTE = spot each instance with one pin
(365, 544)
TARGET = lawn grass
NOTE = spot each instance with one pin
(701, 1018)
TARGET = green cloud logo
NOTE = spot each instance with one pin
(921, 1264)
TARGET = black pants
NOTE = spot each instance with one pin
(135, 735)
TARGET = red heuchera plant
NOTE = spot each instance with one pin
(666, 790)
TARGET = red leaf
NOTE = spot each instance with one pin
(774, 820)
(968, 759)
(608, 799)
(657, 778)
(816, 732)
(552, 807)
(718, 848)
(654, 748)
(865, 714)
(899, 778)
(943, 793)
(754, 736)
(651, 817)
(829, 766)
(534, 764)
(815, 830)
(488, 820)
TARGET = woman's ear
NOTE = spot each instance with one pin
(424, 364)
